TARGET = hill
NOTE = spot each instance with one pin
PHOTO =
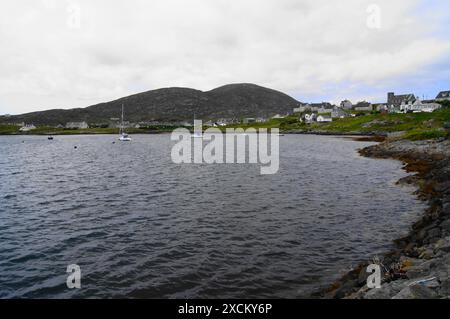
(173, 104)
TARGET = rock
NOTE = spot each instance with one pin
(429, 282)
(434, 232)
(347, 288)
(362, 277)
(387, 291)
(419, 270)
(427, 254)
(446, 208)
(445, 225)
(416, 291)
(444, 289)
(421, 234)
(443, 245)
(442, 187)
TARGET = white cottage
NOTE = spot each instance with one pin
(419, 106)
(324, 119)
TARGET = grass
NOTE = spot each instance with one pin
(9, 129)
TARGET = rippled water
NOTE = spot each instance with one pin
(140, 226)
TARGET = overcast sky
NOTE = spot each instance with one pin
(75, 53)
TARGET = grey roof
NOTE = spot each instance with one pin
(405, 96)
(443, 95)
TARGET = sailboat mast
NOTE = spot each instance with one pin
(121, 122)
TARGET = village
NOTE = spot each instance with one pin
(406, 103)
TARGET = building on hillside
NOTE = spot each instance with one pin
(363, 106)
(397, 100)
(249, 120)
(77, 125)
(381, 107)
(302, 108)
(324, 110)
(314, 107)
(338, 113)
(419, 106)
(443, 96)
(27, 128)
(310, 118)
(324, 119)
(346, 105)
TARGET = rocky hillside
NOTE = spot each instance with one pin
(174, 104)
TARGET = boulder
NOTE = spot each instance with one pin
(416, 291)
(445, 225)
(443, 245)
(427, 254)
(419, 270)
(444, 289)
(434, 232)
(446, 208)
(387, 291)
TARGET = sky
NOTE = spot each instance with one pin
(76, 53)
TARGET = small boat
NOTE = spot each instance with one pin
(50, 138)
(123, 136)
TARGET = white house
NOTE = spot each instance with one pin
(309, 118)
(27, 128)
(324, 119)
(419, 106)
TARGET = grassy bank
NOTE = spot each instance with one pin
(414, 126)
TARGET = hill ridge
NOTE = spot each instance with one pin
(172, 104)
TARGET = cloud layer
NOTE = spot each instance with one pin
(62, 54)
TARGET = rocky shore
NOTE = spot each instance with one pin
(419, 268)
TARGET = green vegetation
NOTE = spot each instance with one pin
(9, 129)
(415, 126)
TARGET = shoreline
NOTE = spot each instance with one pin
(364, 136)
(419, 266)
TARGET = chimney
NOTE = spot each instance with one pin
(390, 97)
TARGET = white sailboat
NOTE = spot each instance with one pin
(123, 137)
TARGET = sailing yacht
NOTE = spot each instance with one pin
(123, 137)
